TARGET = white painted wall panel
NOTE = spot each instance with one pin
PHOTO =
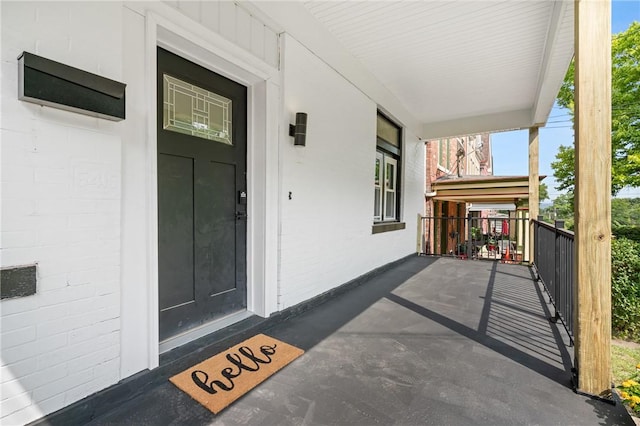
(61, 208)
(243, 28)
(135, 297)
(326, 237)
(271, 49)
(257, 38)
(191, 9)
(236, 24)
(211, 15)
(228, 20)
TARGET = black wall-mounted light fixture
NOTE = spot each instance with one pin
(299, 130)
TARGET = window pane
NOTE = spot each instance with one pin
(377, 177)
(195, 111)
(388, 131)
(390, 205)
(390, 182)
(377, 214)
(390, 179)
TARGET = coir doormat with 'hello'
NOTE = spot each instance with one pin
(223, 378)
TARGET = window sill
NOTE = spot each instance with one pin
(387, 227)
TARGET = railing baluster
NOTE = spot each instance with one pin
(553, 260)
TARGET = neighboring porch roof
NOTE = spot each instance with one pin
(482, 189)
(454, 67)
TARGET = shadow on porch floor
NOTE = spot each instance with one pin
(431, 341)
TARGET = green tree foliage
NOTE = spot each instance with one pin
(543, 192)
(625, 288)
(562, 209)
(625, 212)
(625, 116)
(629, 232)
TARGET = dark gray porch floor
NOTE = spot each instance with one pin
(431, 341)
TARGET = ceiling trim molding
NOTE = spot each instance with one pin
(511, 120)
(549, 84)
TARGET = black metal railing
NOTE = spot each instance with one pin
(553, 261)
(491, 238)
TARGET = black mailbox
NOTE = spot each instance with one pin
(46, 82)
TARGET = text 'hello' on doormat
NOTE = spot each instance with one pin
(223, 378)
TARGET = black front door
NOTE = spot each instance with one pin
(202, 130)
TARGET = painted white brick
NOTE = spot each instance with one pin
(96, 358)
(18, 305)
(21, 190)
(55, 387)
(15, 144)
(69, 323)
(107, 287)
(52, 282)
(37, 378)
(67, 294)
(52, 175)
(102, 328)
(83, 277)
(103, 381)
(16, 370)
(52, 404)
(68, 353)
(22, 417)
(18, 239)
(33, 349)
(18, 337)
(11, 405)
(55, 263)
(79, 392)
(108, 369)
(11, 389)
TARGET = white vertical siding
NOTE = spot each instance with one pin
(234, 23)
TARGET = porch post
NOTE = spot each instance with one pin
(534, 186)
(592, 282)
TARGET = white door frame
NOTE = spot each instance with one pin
(179, 34)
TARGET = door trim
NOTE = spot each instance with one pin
(183, 37)
(201, 331)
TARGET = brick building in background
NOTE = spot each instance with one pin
(468, 155)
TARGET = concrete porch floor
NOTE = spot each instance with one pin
(430, 341)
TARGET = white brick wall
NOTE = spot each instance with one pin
(326, 235)
(60, 182)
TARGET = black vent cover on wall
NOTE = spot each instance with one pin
(46, 82)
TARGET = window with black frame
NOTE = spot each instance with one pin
(387, 171)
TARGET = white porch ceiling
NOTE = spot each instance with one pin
(457, 67)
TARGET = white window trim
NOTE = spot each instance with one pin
(379, 187)
(393, 190)
(384, 160)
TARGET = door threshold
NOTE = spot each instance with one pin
(201, 331)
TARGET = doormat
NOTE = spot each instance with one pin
(223, 378)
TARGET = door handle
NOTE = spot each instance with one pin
(241, 215)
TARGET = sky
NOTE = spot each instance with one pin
(510, 149)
